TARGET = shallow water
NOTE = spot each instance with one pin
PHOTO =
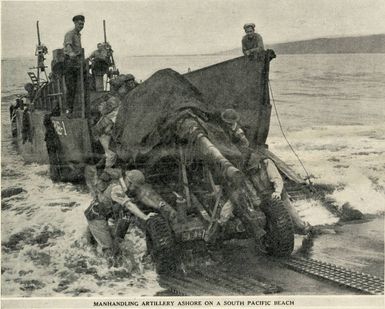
(331, 108)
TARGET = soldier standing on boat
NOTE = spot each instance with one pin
(100, 62)
(72, 52)
(252, 42)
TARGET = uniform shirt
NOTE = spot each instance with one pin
(240, 137)
(250, 43)
(100, 54)
(274, 175)
(109, 110)
(72, 43)
(113, 194)
(267, 178)
(112, 108)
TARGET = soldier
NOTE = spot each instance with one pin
(252, 42)
(231, 118)
(100, 62)
(263, 173)
(100, 53)
(72, 51)
(118, 199)
(269, 184)
(103, 128)
(109, 110)
(122, 85)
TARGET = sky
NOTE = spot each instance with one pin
(145, 27)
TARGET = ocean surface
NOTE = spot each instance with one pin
(332, 109)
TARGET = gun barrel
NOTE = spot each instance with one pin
(104, 31)
(38, 33)
(191, 130)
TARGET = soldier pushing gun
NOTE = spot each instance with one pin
(262, 172)
(119, 198)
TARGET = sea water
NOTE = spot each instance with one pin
(331, 109)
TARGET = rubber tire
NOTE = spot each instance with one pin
(161, 244)
(279, 238)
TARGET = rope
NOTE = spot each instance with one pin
(284, 135)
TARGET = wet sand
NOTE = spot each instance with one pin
(358, 246)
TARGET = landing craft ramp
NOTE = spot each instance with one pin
(239, 83)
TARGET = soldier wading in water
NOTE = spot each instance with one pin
(118, 199)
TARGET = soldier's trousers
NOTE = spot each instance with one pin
(100, 230)
(110, 155)
(71, 78)
(107, 236)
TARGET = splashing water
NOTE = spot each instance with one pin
(44, 248)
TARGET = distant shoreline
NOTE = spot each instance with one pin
(208, 55)
(368, 44)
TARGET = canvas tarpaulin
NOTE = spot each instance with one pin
(146, 112)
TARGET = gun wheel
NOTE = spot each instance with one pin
(161, 245)
(279, 238)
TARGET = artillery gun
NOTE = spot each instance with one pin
(183, 149)
(207, 181)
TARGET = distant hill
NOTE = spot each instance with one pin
(343, 45)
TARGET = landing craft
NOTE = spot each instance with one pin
(179, 143)
(43, 132)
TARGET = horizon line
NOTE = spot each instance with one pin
(223, 51)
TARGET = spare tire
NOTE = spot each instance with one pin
(279, 238)
(161, 244)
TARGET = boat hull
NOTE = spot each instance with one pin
(30, 137)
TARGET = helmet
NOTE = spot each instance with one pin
(28, 87)
(230, 116)
(134, 176)
(115, 83)
(128, 77)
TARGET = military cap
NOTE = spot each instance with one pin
(230, 116)
(249, 25)
(78, 17)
